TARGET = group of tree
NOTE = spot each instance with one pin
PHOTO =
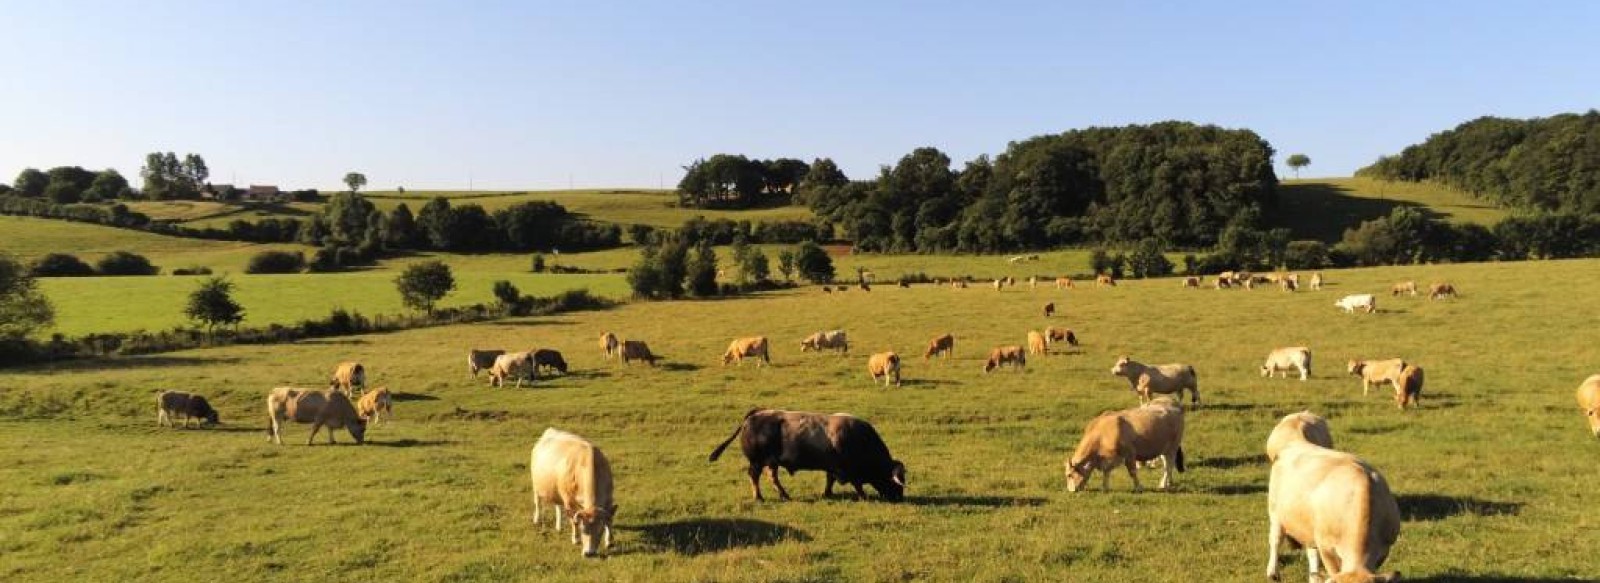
(734, 181)
(23, 308)
(1547, 164)
(168, 178)
(69, 185)
(119, 263)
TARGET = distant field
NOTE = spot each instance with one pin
(30, 238)
(1322, 208)
(1492, 474)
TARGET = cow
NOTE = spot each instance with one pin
(347, 376)
(1104, 280)
(905, 283)
(1127, 437)
(1441, 290)
(481, 360)
(1011, 281)
(637, 350)
(171, 404)
(1302, 426)
(742, 348)
(998, 284)
(1017, 259)
(829, 340)
(1224, 282)
(547, 358)
(1408, 387)
(1191, 281)
(945, 345)
(1227, 276)
(1316, 281)
(329, 408)
(846, 448)
(827, 289)
(1336, 506)
(1033, 282)
(1589, 402)
(376, 405)
(1053, 335)
(609, 344)
(1289, 285)
(1036, 343)
(1167, 379)
(1375, 371)
(1064, 283)
(1002, 355)
(1364, 302)
(1286, 359)
(571, 474)
(886, 365)
(1049, 309)
(1405, 287)
(513, 364)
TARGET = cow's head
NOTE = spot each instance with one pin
(358, 429)
(807, 344)
(992, 363)
(1593, 413)
(561, 364)
(1072, 339)
(1077, 473)
(727, 357)
(1121, 367)
(199, 407)
(1355, 367)
(893, 487)
(1266, 370)
(592, 526)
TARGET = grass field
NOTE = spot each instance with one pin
(1489, 473)
(29, 238)
(1322, 208)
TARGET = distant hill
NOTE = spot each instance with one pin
(1322, 208)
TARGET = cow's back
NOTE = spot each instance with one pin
(1151, 427)
(1302, 427)
(1319, 494)
(795, 440)
(862, 454)
(173, 400)
(1589, 392)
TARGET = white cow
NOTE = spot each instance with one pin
(1364, 302)
(572, 474)
(1333, 504)
(1287, 359)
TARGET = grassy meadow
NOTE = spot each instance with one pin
(1488, 473)
(1322, 208)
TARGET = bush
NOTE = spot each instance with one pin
(1148, 261)
(423, 284)
(538, 263)
(1306, 255)
(703, 271)
(813, 263)
(60, 265)
(192, 270)
(1100, 261)
(125, 263)
(276, 262)
(506, 293)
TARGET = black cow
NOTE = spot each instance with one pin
(173, 404)
(846, 448)
(549, 359)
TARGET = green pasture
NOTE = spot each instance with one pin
(30, 238)
(1492, 474)
(1322, 208)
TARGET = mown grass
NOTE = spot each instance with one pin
(1490, 473)
(29, 238)
(1322, 208)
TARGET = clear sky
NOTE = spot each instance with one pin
(543, 94)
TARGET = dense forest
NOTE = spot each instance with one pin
(1544, 164)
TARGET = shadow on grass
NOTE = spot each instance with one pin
(410, 443)
(712, 535)
(927, 382)
(1215, 406)
(1431, 507)
(1323, 211)
(535, 323)
(981, 501)
(588, 374)
(1228, 463)
(1238, 489)
(680, 367)
(333, 341)
(130, 363)
(401, 397)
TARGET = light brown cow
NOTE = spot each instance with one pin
(886, 365)
(1036, 343)
(1053, 335)
(520, 365)
(376, 405)
(1104, 280)
(1127, 437)
(1064, 283)
(1283, 360)
(830, 340)
(999, 283)
(1167, 379)
(1289, 285)
(1003, 355)
(572, 475)
(1336, 506)
(1441, 290)
(609, 344)
(1316, 281)
(1191, 281)
(481, 360)
(1405, 287)
(1302, 426)
(1375, 371)
(330, 408)
(1224, 282)
(637, 350)
(188, 406)
(1033, 282)
(1589, 402)
(348, 376)
(945, 345)
(750, 347)
(1049, 309)
(1408, 387)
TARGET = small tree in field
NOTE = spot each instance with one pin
(786, 264)
(422, 285)
(813, 263)
(355, 180)
(506, 293)
(212, 305)
(1298, 161)
(23, 308)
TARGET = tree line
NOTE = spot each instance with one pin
(735, 181)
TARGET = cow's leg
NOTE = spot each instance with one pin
(755, 481)
(1316, 563)
(1133, 472)
(827, 489)
(161, 416)
(575, 524)
(1304, 373)
(1167, 461)
(537, 507)
(312, 439)
(861, 494)
(782, 493)
(1274, 542)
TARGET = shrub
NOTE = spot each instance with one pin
(1148, 261)
(1306, 255)
(192, 270)
(813, 263)
(506, 293)
(538, 263)
(276, 262)
(423, 284)
(60, 265)
(125, 263)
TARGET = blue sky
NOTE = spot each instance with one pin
(540, 95)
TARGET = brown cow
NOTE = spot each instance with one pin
(1003, 355)
(609, 344)
(571, 474)
(1049, 309)
(1408, 387)
(1064, 283)
(547, 358)
(637, 350)
(347, 376)
(846, 448)
(1127, 437)
(750, 347)
(1316, 281)
(330, 408)
(1170, 379)
(1191, 281)
(1053, 335)
(886, 365)
(1375, 371)
(376, 405)
(945, 345)
(1104, 280)
(513, 364)
(481, 360)
(1441, 290)
(1405, 287)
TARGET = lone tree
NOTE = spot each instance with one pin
(212, 305)
(355, 180)
(422, 285)
(23, 308)
(813, 263)
(1298, 161)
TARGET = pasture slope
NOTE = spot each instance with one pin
(1492, 472)
(1322, 208)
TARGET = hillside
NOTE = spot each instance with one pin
(1322, 208)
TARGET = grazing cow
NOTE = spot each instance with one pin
(1036, 342)
(609, 344)
(1167, 379)
(1249, 283)
(1405, 287)
(1002, 355)
(1316, 281)
(1364, 302)
(171, 404)
(1286, 359)
(376, 405)
(547, 358)
(330, 408)
(1017, 259)
(848, 449)
(830, 340)
(1191, 281)
(1011, 281)
(1033, 282)
(1589, 402)
(571, 474)
(1302, 426)
(1128, 437)
(1224, 282)
(1375, 371)
(1441, 290)
(742, 348)
(1408, 387)
(1336, 506)
(1063, 283)
(1289, 285)
(513, 364)
(945, 345)
(1049, 309)
(827, 290)
(999, 283)
(886, 365)
(1104, 280)
(482, 359)
(347, 376)
(637, 350)
(1053, 335)
(1227, 276)
(905, 283)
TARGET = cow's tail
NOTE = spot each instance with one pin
(1178, 463)
(716, 453)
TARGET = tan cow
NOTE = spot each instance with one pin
(945, 345)
(750, 347)
(1289, 285)
(1127, 437)
(637, 350)
(376, 405)
(481, 360)
(347, 376)
(572, 475)
(1336, 506)
(1224, 282)
(1408, 387)
(513, 364)
(1104, 280)
(1302, 426)
(1405, 287)
(999, 283)
(830, 340)
(1316, 281)
(1033, 282)
(189, 406)
(1191, 281)
(1167, 379)
(1002, 355)
(1375, 371)
(330, 408)
(886, 365)
(1064, 283)
(1286, 359)
(609, 344)
(1036, 343)
(1589, 402)
(1441, 290)
(1053, 335)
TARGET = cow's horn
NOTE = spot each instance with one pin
(897, 481)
